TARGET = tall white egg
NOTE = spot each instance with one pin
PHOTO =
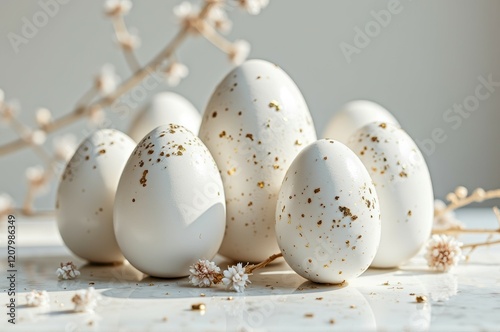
(354, 115)
(170, 207)
(164, 108)
(404, 188)
(327, 214)
(86, 194)
(254, 124)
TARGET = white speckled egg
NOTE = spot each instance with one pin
(84, 208)
(404, 188)
(254, 124)
(169, 207)
(353, 116)
(165, 108)
(327, 216)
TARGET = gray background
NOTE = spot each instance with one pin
(428, 58)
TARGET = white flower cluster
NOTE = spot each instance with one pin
(37, 298)
(236, 278)
(443, 252)
(86, 300)
(204, 273)
(67, 271)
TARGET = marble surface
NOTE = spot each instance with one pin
(466, 299)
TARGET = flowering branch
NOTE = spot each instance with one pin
(205, 273)
(443, 251)
(207, 22)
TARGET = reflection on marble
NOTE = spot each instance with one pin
(466, 299)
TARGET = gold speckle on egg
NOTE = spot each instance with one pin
(143, 179)
(274, 103)
(298, 142)
(275, 166)
(231, 171)
(102, 151)
(383, 125)
(317, 190)
(214, 114)
(250, 136)
(409, 213)
(261, 184)
(222, 134)
(403, 174)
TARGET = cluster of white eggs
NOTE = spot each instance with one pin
(254, 181)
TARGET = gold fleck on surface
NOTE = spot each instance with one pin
(317, 190)
(143, 179)
(297, 142)
(309, 315)
(383, 125)
(403, 174)
(198, 306)
(421, 299)
(261, 184)
(222, 134)
(250, 136)
(231, 171)
(274, 104)
(332, 321)
(275, 166)
(102, 151)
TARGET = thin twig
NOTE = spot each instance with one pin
(479, 244)
(250, 268)
(124, 87)
(121, 31)
(465, 231)
(474, 197)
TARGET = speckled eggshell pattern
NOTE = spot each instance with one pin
(164, 108)
(170, 205)
(84, 207)
(255, 123)
(354, 115)
(327, 216)
(404, 188)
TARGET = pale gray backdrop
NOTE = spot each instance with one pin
(426, 59)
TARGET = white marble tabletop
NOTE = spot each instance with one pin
(466, 299)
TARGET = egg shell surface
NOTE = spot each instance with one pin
(354, 115)
(86, 194)
(404, 188)
(255, 123)
(164, 108)
(170, 206)
(327, 214)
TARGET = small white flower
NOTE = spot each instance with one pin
(37, 178)
(8, 111)
(129, 41)
(37, 298)
(107, 80)
(64, 146)
(219, 19)
(6, 204)
(203, 273)
(37, 137)
(43, 117)
(67, 271)
(236, 278)
(117, 7)
(253, 7)
(446, 220)
(443, 252)
(175, 72)
(239, 52)
(85, 300)
(185, 10)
